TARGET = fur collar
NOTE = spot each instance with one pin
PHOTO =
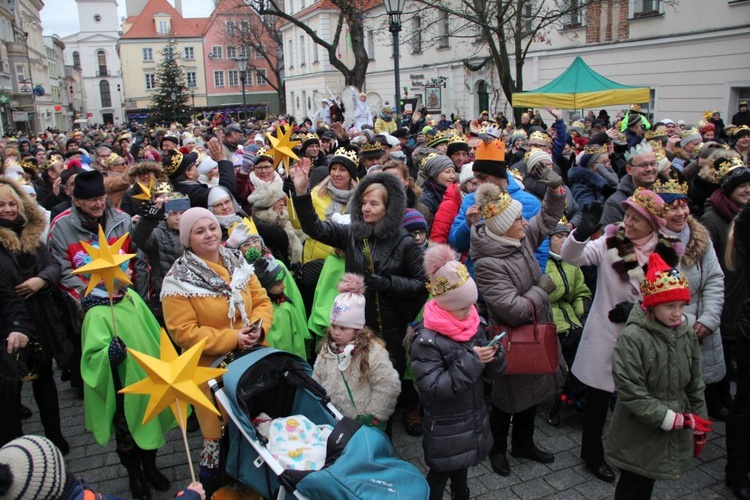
(621, 252)
(698, 244)
(390, 225)
(31, 235)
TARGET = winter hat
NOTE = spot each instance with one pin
(169, 138)
(689, 135)
(414, 221)
(269, 271)
(218, 193)
(467, 173)
(31, 467)
(650, 205)
(88, 185)
(457, 143)
(670, 190)
(436, 164)
(591, 153)
(309, 140)
(347, 158)
(177, 202)
(561, 227)
(205, 164)
(518, 134)
(176, 163)
(497, 208)
(348, 309)
(28, 188)
(266, 195)
(188, 220)
(490, 159)
(449, 281)
(536, 156)
(734, 178)
(14, 171)
(663, 284)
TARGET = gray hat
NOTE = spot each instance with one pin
(33, 468)
(437, 164)
(233, 127)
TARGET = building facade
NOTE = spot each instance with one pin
(62, 117)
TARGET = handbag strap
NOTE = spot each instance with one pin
(533, 310)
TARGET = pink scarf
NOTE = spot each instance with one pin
(645, 246)
(459, 330)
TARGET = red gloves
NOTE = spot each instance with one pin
(699, 442)
(691, 421)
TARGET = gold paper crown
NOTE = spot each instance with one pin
(668, 280)
(494, 208)
(595, 149)
(658, 151)
(111, 159)
(563, 221)
(45, 165)
(689, 131)
(427, 158)
(435, 137)
(123, 137)
(346, 153)
(539, 136)
(55, 157)
(722, 166)
(369, 147)
(29, 165)
(310, 137)
(161, 188)
(516, 173)
(440, 285)
(635, 107)
(672, 186)
(202, 155)
(528, 153)
(648, 203)
(653, 134)
(460, 138)
(519, 131)
(262, 152)
(741, 128)
(578, 124)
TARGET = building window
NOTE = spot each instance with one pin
(316, 57)
(104, 93)
(416, 35)
(260, 75)
(645, 8)
(248, 79)
(189, 54)
(191, 79)
(233, 78)
(163, 27)
(150, 81)
(230, 28)
(444, 30)
(101, 59)
(574, 17)
(148, 54)
(76, 60)
(527, 18)
(246, 52)
(244, 26)
(231, 52)
(302, 55)
(290, 53)
(218, 78)
(370, 44)
(216, 52)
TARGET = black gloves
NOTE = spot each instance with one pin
(151, 210)
(117, 352)
(550, 178)
(591, 213)
(378, 283)
(620, 313)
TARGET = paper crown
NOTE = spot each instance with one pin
(310, 137)
(349, 154)
(638, 149)
(653, 134)
(262, 152)
(635, 107)
(595, 149)
(658, 151)
(516, 173)
(439, 285)
(528, 153)
(540, 136)
(29, 165)
(459, 139)
(578, 124)
(688, 132)
(435, 137)
(373, 146)
(493, 208)
(672, 186)
(161, 188)
(491, 151)
(722, 166)
(427, 158)
(56, 157)
(111, 159)
(663, 284)
(741, 128)
(563, 221)
(648, 203)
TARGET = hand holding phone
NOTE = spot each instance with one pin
(496, 339)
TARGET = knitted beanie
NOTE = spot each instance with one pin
(689, 136)
(449, 281)
(536, 156)
(31, 467)
(414, 221)
(188, 220)
(467, 173)
(663, 284)
(499, 210)
(735, 178)
(436, 165)
(348, 309)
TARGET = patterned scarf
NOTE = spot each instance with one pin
(339, 200)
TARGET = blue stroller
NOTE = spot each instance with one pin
(360, 462)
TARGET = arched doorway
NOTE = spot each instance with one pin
(483, 97)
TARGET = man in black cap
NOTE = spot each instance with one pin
(232, 137)
(168, 143)
(183, 173)
(403, 136)
(741, 117)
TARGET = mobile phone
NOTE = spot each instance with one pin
(496, 339)
(257, 325)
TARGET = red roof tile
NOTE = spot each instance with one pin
(144, 25)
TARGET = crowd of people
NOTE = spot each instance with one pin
(388, 254)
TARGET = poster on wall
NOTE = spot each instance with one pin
(432, 99)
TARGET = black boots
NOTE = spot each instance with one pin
(132, 462)
(151, 473)
(460, 494)
(736, 478)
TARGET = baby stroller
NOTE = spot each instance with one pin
(360, 462)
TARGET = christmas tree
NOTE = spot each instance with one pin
(169, 103)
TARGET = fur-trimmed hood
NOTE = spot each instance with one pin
(698, 244)
(621, 252)
(146, 167)
(390, 225)
(31, 235)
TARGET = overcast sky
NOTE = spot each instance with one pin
(61, 16)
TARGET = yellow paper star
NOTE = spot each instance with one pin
(145, 191)
(173, 380)
(105, 263)
(282, 146)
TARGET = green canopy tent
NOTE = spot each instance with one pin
(581, 87)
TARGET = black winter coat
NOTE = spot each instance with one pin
(448, 376)
(162, 247)
(198, 193)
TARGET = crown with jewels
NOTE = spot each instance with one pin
(653, 134)
(648, 203)
(722, 166)
(688, 132)
(435, 137)
(659, 153)
(345, 153)
(440, 285)
(671, 186)
(427, 158)
(372, 146)
(665, 281)
(595, 149)
(161, 188)
(29, 165)
(540, 136)
(741, 128)
(491, 209)
(638, 149)
(578, 124)
(460, 138)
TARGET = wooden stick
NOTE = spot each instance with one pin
(183, 425)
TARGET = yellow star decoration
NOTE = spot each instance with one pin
(173, 379)
(145, 191)
(105, 263)
(282, 147)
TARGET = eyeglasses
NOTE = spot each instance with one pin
(263, 167)
(653, 164)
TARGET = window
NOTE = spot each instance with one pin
(370, 44)
(416, 35)
(527, 17)
(101, 59)
(163, 27)
(231, 52)
(148, 54)
(216, 52)
(191, 79)
(218, 78)
(21, 72)
(76, 60)
(248, 78)
(233, 77)
(104, 93)
(302, 56)
(189, 54)
(645, 8)
(230, 28)
(290, 53)
(574, 16)
(246, 52)
(444, 31)
(260, 75)
(244, 26)
(150, 81)
(315, 51)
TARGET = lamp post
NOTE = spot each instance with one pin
(192, 95)
(242, 67)
(174, 105)
(395, 8)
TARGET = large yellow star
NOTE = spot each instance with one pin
(281, 146)
(105, 263)
(173, 380)
(145, 191)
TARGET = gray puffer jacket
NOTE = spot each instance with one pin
(162, 247)
(448, 376)
(507, 278)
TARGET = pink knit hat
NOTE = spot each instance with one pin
(450, 283)
(188, 220)
(650, 205)
(348, 308)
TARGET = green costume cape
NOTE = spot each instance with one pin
(289, 329)
(325, 293)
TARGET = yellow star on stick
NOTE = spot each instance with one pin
(282, 146)
(105, 264)
(145, 191)
(173, 380)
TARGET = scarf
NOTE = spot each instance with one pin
(344, 355)
(438, 189)
(684, 235)
(15, 225)
(724, 206)
(226, 221)
(339, 200)
(644, 247)
(257, 182)
(513, 242)
(93, 300)
(92, 225)
(279, 298)
(190, 276)
(459, 330)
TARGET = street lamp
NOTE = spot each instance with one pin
(192, 95)
(242, 67)
(395, 8)
(174, 104)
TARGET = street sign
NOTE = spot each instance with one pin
(4, 98)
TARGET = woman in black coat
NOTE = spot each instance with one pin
(28, 274)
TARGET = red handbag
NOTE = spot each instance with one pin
(531, 348)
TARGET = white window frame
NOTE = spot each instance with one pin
(162, 26)
(234, 78)
(191, 79)
(217, 52)
(646, 8)
(148, 54)
(150, 81)
(231, 52)
(261, 77)
(444, 32)
(190, 53)
(248, 78)
(370, 44)
(416, 37)
(218, 78)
